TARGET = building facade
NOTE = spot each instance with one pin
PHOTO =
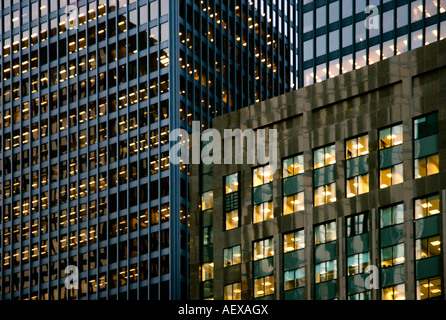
(355, 209)
(90, 91)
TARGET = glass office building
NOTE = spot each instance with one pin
(90, 91)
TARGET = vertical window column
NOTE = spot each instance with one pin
(262, 194)
(292, 184)
(357, 166)
(390, 156)
(263, 268)
(232, 215)
(428, 265)
(294, 265)
(426, 157)
(325, 261)
(206, 228)
(358, 255)
(324, 185)
(392, 253)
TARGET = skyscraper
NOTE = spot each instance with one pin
(90, 91)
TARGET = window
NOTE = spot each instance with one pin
(416, 10)
(428, 288)
(357, 263)
(207, 271)
(262, 175)
(392, 255)
(231, 202)
(207, 200)
(391, 216)
(357, 224)
(232, 256)
(426, 156)
(293, 195)
(263, 286)
(427, 247)
(263, 211)
(358, 255)
(427, 206)
(402, 16)
(233, 291)
(324, 180)
(357, 166)
(326, 271)
(293, 203)
(263, 249)
(293, 241)
(308, 21)
(207, 235)
(324, 233)
(294, 278)
(390, 137)
(390, 156)
(396, 292)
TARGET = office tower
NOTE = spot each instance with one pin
(90, 91)
(89, 95)
(355, 207)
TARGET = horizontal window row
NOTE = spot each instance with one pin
(122, 23)
(391, 252)
(74, 92)
(38, 277)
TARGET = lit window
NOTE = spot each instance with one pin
(324, 181)
(324, 194)
(262, 175)
(293, 203)
(429, 288)
(401, 44)
(293, 166)
(427, 247)
(233, 291)
(207, 200)
(263, 249)
(416, 10)
(357, 168)
(324, 156)
(390, 156)
(396, 292)
(427, 206)
(207, 271)
(263, 286)
(293, 241)
(263, 211)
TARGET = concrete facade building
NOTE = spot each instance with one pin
(360, 182)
